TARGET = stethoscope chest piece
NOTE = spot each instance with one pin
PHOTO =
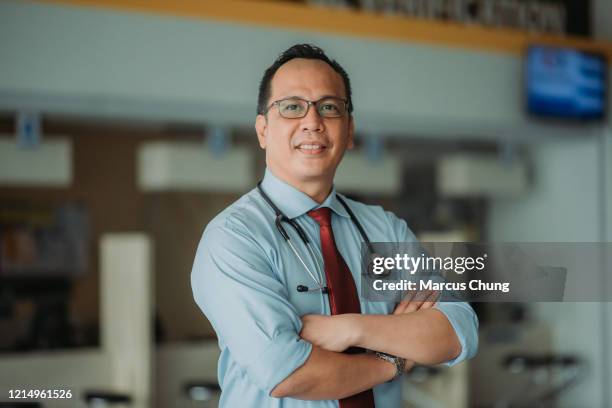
(304, 288)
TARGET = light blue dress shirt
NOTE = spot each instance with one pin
(244, 279)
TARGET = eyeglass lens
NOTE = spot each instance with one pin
(298, 108)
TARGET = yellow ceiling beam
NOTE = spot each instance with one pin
(296, 16)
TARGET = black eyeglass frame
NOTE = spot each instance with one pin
(308, 104)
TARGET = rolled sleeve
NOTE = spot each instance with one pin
(465, 324)
(236, 288)
(279, 360)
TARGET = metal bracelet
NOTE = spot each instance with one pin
(398, 362)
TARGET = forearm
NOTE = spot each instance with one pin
(425, 336)
(331, 375)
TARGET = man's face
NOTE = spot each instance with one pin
(309, 148)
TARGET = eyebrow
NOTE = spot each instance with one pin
(323, 97)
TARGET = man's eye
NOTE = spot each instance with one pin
(328, 107)
(292, 107)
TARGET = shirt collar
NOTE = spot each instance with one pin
(292, 202)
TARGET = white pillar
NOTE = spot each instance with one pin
(125, 281)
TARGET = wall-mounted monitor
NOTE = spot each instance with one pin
(565, 83)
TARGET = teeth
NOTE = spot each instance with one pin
(310, 146)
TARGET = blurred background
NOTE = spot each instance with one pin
(126, 126)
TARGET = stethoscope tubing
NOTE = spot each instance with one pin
(281, 217)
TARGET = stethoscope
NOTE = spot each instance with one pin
(281, 217)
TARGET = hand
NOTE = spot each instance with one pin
(333, 333)
(417, 300)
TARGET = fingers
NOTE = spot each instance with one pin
(408, 303)
(399, 309)
(431, 300)
(416, 300)
(424, 300)
(401, 306)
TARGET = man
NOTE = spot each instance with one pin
(288, 337)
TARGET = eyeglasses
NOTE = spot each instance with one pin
(295, 108)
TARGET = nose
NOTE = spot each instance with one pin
(312, 122)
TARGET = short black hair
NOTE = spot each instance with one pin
(307, 51)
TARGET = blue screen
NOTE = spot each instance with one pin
(564, 82)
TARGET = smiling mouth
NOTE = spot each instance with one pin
(311, 148)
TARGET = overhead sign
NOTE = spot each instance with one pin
(543, 16)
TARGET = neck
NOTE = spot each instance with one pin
(317, 188)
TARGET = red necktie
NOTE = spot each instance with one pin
(342, 294)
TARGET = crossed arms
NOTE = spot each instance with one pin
(415, 331)
(248, 306)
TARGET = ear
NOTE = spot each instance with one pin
(351, 133)
(261, 125)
